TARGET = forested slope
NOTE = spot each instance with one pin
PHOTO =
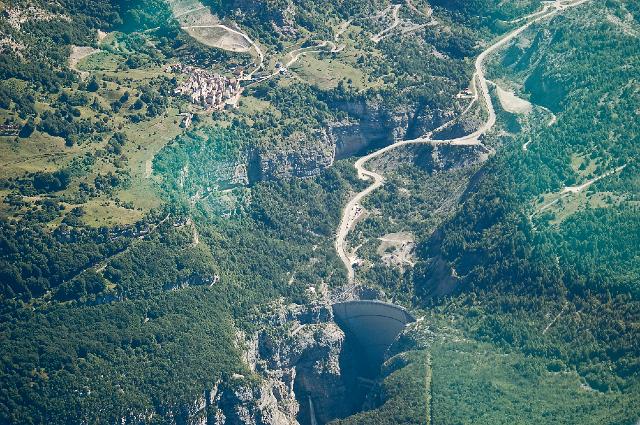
(540, 258)
(519, 254)
(135, 256)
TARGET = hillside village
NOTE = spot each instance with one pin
(303, 212)
(207, 89)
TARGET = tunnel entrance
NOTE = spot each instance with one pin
(370, 328)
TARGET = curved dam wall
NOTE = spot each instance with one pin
(374, 325)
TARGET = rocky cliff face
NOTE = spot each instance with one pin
(305, 155)
(370, 125)
(296, 360)
(299, 155)
(304, 350)
(302, 359)
(374, 125)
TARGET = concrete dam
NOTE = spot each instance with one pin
(373, 325)
(370, 328)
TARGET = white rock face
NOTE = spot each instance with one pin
(512, 103)
(298, 351)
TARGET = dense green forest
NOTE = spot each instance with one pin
(556, 284)
(135, 254)
(169, 308)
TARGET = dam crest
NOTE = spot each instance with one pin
(373, 325)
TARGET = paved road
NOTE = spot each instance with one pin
(480, 89)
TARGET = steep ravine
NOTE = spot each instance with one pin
(304, 369)
(301, 363)
(320, 364)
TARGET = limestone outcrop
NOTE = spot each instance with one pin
(302, 349)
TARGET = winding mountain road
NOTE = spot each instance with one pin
(395, 15)
(574, 190)
(479, 86)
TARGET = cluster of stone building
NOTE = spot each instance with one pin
(206, 89)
